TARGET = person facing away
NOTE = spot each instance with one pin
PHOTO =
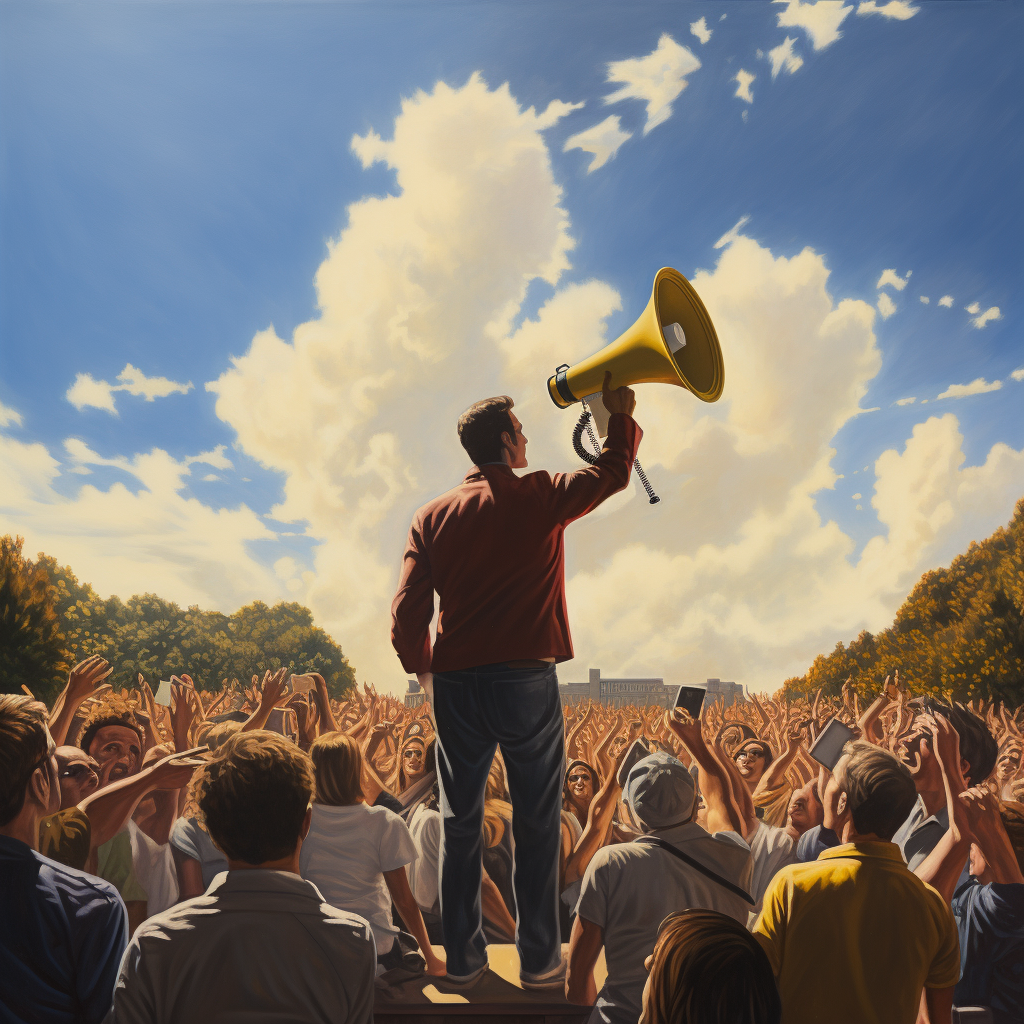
(62, 932)
(356, 854)
(261, 943)
(854, 936)
(707, 968)
(493, 549)
(627, 888)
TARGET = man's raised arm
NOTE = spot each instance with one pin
(578, 493)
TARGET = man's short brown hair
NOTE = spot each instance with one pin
(880, 791)
(481, 427)
(112, 710)
(24, 744)
(254, 794)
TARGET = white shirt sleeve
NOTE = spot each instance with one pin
(593, 904)
(396, 843)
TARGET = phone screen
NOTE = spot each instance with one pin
(691, 699)
(163, 693)
(828, 747)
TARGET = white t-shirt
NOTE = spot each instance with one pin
(425, 828)
(345, 855)
(771, 848)
(630, 888)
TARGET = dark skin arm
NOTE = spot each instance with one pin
(584, 948)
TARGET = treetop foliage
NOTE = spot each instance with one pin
(50, 621)
(959, 634)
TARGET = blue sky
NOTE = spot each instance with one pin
(172, 175)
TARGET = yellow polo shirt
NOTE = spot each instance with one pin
(854, 936)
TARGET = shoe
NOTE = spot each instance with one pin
(549, 980)
(460, 982)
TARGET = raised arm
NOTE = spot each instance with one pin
(83, 680)
(776, 773)
(942, 867)
(723, 814)
(982, 809)
(273, 690)
(599, 825)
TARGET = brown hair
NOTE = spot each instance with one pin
(880, 791)
(708, 969)
(254, 794)
(481, 427)
(337, 764)
(24, 743)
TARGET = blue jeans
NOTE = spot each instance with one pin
(475, 711)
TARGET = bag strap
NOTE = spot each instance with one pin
(706, 871)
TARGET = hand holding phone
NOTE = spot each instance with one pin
(691, 699)
(828, 747)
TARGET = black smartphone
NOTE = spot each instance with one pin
(691, 699)
(828, 747)
(637, 752)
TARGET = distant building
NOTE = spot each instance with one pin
(617, 693)
(414, 696)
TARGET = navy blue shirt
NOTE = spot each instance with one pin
(62, 935)
(814, 841)
(990, 919)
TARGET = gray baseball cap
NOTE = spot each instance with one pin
(659, 791)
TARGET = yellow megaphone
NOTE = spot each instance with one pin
(672, 342)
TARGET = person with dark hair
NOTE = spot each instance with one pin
(493, 549)
(989, 906)
(261, 943)
(62, 932)
(114, 739)
(854, 936)
(708, 969)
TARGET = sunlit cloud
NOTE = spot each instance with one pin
(87, 391)
(656, 79)
(819, 20)
(886, 307)
(1018, 374)
(744, 79)
(901, 10)
(890, 277)
(925, 300)
(602, 140)
(9, 417)
(784, 59)
(992, 313)
(905, 401)
(947, 301)
(700, 29)
(979, 386)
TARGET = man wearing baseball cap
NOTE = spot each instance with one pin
(629, 888)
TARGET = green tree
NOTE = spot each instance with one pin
(32, 649)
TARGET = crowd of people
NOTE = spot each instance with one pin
(264, 849)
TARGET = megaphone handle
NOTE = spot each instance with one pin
(647, 484)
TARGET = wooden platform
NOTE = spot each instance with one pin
(498, 998)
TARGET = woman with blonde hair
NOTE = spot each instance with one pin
(356, 855)
(707, 968)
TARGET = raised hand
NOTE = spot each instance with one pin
(86, 676)
(617, 399)
(273, 692)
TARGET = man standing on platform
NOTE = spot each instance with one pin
(493, 550)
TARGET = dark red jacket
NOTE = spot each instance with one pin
(492, 548)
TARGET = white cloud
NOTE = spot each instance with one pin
(992, 313)
(1018, 374)
(857, 496)
(732, 234)
(364, 433)
(973, 308)
(947, 301)
(657, 79)
(215, 458)
(148, 537)
(905, 401)
(899, 9)
(783, 58)
(9, 416)
(890, 277)
(210, 478)
(700, 29)
(819, 20)
(602, 140)
(980, 386)
(744, 79)
(886, 306)
(99, 394)
(925, 300)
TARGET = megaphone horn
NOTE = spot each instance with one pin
(673, 341)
